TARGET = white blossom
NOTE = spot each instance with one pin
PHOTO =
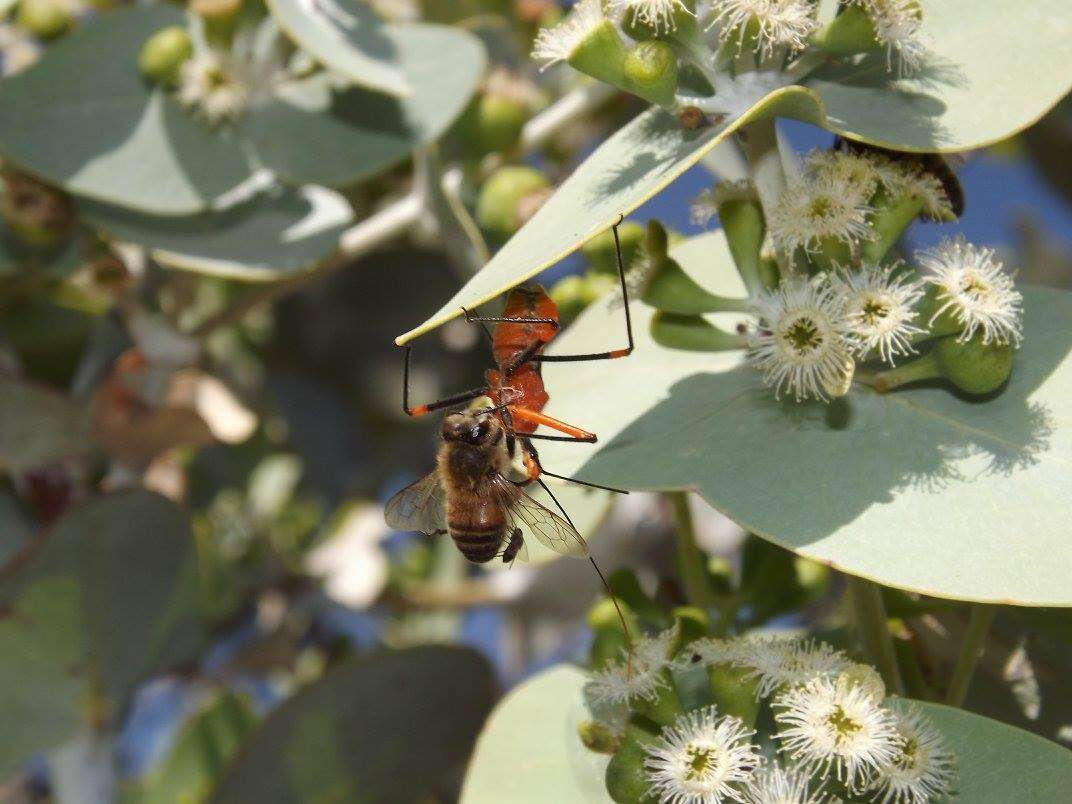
(880, 309)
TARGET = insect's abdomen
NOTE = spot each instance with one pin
(477, 528)
(511, 338)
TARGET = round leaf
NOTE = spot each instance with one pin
(275, 233)
(315, 132)
(40, 426)
(91, 628)
(388, 727)
(994, 68)
(918, 489)
(529, 750)
(84, 118)
(347, 37)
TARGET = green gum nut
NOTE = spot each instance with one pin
(971, 366)
(601, 54)
(732, 692)
(627, 781)
(742, 221)
(888, 220)
(693, 333)
(498, 121)
(500, 205)
(651, 72)
(670, 289)
(572, 294)
(163, 54)
(600, 253)
(45, 19)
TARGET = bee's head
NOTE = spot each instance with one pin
(476, 426)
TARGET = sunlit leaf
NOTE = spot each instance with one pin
(918, 489)
(980, 86)
(315, 132)
(347, 37)
(83, 117)
(387, 727)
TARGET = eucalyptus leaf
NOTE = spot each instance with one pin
(992, 70)
(42, 686)
(387, 727)
(530, 752)
(995, 69)
(104, 626)
(84, 118)
(202, 750)
(315, 131)
(277, 232)
(917, 489)
(39, 426)
(346, 36)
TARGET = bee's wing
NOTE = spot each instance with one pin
(540, 522)
(419, 506)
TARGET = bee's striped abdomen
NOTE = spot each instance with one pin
(477, 529)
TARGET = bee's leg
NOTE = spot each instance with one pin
(512, 549)
(540, 470)
(421, 410)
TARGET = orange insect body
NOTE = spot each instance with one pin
(521, 386)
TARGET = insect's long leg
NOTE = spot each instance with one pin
(613, 353)
(599, 572)
(536, 417)
(420, 410)
(507, 319)
(544, 471)
(471, 319)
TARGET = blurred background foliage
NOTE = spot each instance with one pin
(199, 599)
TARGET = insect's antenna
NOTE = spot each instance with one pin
(610, 593)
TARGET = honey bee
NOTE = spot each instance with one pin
(471, 496)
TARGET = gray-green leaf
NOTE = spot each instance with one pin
(917, 489)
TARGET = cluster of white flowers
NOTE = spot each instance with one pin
(640, 675)
(221, 83)
(774, 23)
(898, 26)
(812, 330)
(832, 727)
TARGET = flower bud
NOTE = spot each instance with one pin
(742, 221)
(573, 294)
(38, 215)
(627, 781)
(670, 289)
(643, 20)
(598, 737)
(733, 692)
(972, 366)
(600, 54)
(889, 218)
(499, 121)
(693, 333)
(163, 54)
(599, 251)
(651, 72)
(609, 642)
(507, 199)
(865, 677)
(45, 19)
(215, 9)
